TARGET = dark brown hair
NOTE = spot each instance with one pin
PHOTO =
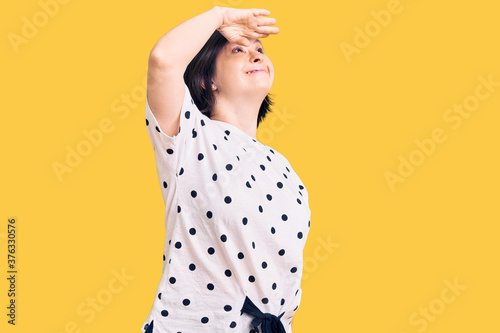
(202, 69)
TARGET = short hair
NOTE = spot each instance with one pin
(202, 68)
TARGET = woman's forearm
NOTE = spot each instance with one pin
(181, 44)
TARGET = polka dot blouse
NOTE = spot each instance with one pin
(237, 219)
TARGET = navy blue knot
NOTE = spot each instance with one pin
(270, 323)
(149, 327)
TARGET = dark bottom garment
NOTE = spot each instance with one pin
(269, 322)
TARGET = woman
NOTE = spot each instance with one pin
(237, 215)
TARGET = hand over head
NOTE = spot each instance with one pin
(240, 24)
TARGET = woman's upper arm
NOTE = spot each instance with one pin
(165, 94)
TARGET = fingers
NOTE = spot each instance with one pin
(266, 21)
(261, 11)
(267, 30)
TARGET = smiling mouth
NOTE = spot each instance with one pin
(257, 71)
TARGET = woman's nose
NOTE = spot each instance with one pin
(257, 58)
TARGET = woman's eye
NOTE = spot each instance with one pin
(239, 48)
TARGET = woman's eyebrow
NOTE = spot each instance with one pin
(257, 41)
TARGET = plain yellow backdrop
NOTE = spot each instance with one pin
(387, 110)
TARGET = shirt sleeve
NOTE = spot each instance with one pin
(173, 149)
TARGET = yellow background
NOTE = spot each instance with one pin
(377, 256)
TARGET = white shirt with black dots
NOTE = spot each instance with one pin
(237, 218)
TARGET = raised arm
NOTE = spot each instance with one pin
(168, 61)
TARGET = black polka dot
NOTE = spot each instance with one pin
(164, 313)
(261, 209)
(241, 255)
(194, 133)
(227, 308)
(186, 301)
(178, 245)
(279, 184)
(165, 184)
(299, 235)
(298, 200)
(265, 300)
(170, 151)
(244, 221)
(253, 178)
(282, 301)
(215, 147)
(264, 264)
(192, 231)
(211, 250)
(269, 197)
(178, 209)
(214, 177)
(293, 270)
(228, 272)
(248, 184)
(273, 231)
(223, 238)
(147, 122)
(158, 129)
(200, 156)
(251, 278)
(233, 324)
(262, 167)
(253, 245)
(194, 194)
(229, 167)
(227, 199)
(192, 267)
(187, 114)
(172, 280)
(301, 187)
(281, 252)
(210, 286)
(159, 296)
(284, 217)
(209, 214)
(181, 172)
(204, 320)
(274, 286)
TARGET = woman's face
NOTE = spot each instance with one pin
(234, 61)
